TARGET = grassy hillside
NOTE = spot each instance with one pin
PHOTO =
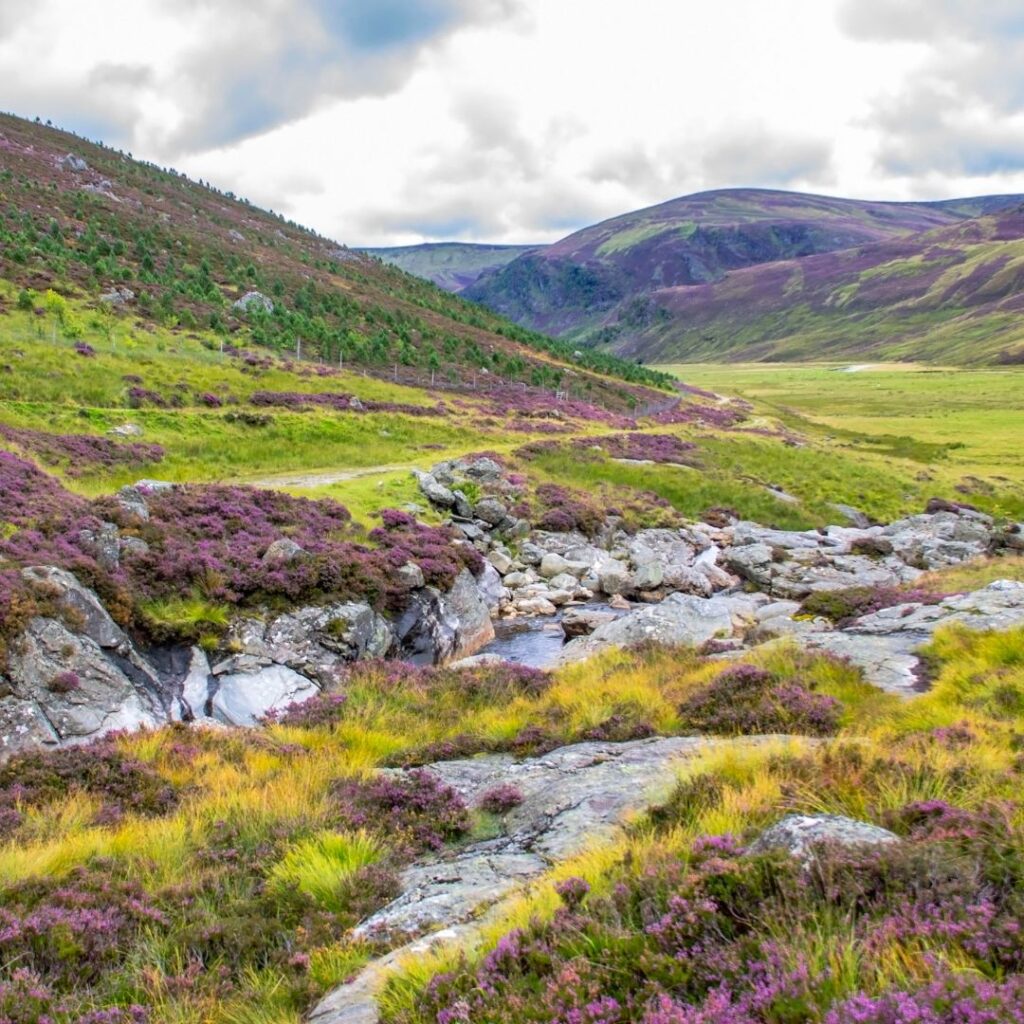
(452, 266)
(603, 284)
(83, 221)
(952, 295)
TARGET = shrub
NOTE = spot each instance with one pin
(124, 784)
(749, 700)
(843, 606)
(500, 799)
(64, 682)
(415, 810)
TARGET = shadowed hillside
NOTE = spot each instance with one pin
(451, 265)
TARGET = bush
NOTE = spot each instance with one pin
(500, 799)
(415, 811)
(747, 700)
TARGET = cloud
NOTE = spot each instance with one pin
(960, 110)
(755, 156)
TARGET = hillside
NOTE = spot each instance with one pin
(452, 266)
(953, 295)
(599, 284)
(149, 246)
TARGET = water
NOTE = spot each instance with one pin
(535, 641)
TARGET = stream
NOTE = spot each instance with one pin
(534, 640)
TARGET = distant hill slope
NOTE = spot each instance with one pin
(955, 294)
(85, 220)
(452, 266)
(598, 285)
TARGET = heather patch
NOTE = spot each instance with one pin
(339, 402)
(79, 454)
(747, 700)
(414, 811)
(123, 784)
(843, 606)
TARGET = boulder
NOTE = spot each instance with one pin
(799, 834)
(648, 576)
(66, 688)
(410, 576)
(490, 510)
(583, 621)
(552, 565)
(244, 698)
(434, 491)
(253, 301)
(281, 551)
(484, 469)
(614, 577)
(679, 620)
(438, 628)
(501, 561)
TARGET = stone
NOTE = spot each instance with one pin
(535, 606)
(583, 621)
(687, 579)
(244, 698)
(564, 581)
(490, 510)
(109, 696)
(619, 603)
(437, 628)
(560, 597)
(614, 577)
(799, 834)
(84, 607)
(514, 580)
(436, 493)
(492, 587)
(648, 576)
(501, 561)
(103, 544)
(463, 509)
(126, 430)
(552, 565)
(71, 162)
(752, 562)
(253, 301)
(852, 515)
(282, 551)
(484, 469)
(679, 620)
(195, 687)
(410, 576)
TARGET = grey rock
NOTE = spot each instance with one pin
(126, 430)
(679, 620)
(752, 562)
(434, 491)
(103, 544)
(71, 162)
(438, 628)
(552, 565)
(484, 469)
(464, 510)
(80, 604)
(195, 687)
(106, 698)
(132, 547)
(535, 606)
(799, 834)
(501, 561)
(583, 621)
(648, 576)
(491, 587)
(281, 551)
(614, 577)
(410, 576)
(490, 510)
(244, 698)
(852, 515)
(253, 301)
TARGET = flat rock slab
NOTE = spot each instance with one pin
(573, 798)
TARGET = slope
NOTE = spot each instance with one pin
(953, 295)
(595, 285)
(137, 243)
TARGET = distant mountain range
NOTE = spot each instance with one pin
(754, 274)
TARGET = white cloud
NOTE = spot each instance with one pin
(389, 121)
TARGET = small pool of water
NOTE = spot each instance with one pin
(535, 641)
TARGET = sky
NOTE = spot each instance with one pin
(388, 122)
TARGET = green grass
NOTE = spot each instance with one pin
(895, 434)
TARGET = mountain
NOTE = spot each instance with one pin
(607, 284)
(111, 233)
(954, 295)
(452, 266)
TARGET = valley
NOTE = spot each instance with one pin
(272, 513)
